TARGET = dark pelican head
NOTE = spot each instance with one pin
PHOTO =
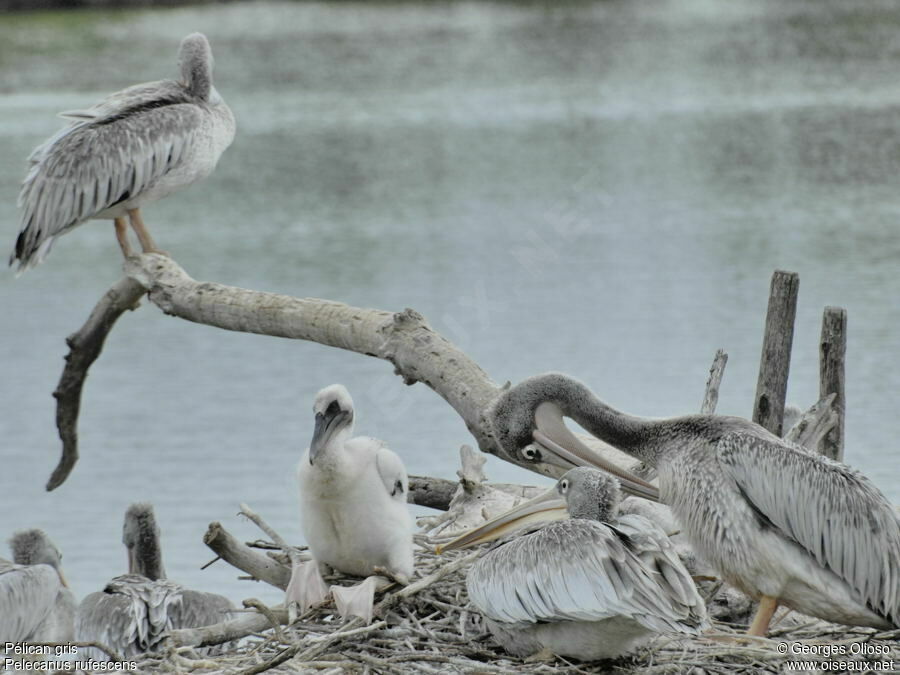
(527, 422)
(141, 535)
(583, 492)
(195, 60)
(590, 494)
(33, 547)
(333, 409)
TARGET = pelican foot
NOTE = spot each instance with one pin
(305, 588)
(358, 600)
(398, 578)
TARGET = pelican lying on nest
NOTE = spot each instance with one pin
(135, 146)
(589, 587)
(353, 508)
(134, 611)
(36, 604)
(784, 525)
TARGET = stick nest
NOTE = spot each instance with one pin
(435, 630)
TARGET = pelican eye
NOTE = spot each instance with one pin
(564, 485)
(531, 453)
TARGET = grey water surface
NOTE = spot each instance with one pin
(598, 188)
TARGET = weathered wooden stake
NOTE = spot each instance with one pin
(711, 397)
(832, 347)
(775, 362)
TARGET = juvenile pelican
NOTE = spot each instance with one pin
(783, 524)
(134, 611)
(590, 587)
(353, 508)
(135, 146)
(36, 604)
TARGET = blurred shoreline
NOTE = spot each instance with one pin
(39, 5)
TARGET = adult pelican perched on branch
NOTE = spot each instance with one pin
(36, 604)
(134, 611)
(589, 587)
(353, 508)
(135, 146)
(783, 524)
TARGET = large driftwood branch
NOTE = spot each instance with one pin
(405, 339)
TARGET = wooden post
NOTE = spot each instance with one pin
(832, 347)
(775, 362)
(711, 397)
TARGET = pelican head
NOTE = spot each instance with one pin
(33, 547)
(590, 494)
(527, 421)
(334, 418)
(195, 60)
(141, 534)
(583, 492)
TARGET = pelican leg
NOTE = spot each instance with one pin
(122, 237)
(760, 625)
(305, 589)
(137, 224)
(358, 600)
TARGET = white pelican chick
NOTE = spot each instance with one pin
(132, 614)
(135, 146)
(353, 506)
(783, 524)
(593, 586)
(36, 604)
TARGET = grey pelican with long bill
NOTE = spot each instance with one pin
(781, 523)
(592, 586)
(133, 147)
(134, 611)
(36, 604)
(353, 511)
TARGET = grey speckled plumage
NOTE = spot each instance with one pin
(35, 603)
(585, 588)
(134, 611)
(778, 521)
(137, 145)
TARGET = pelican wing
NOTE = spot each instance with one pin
(98, 162)
(28, 595)
(146, 95)
(130, 616)
(200, 609)
(828, 508)
(580, 570)
(392, 472)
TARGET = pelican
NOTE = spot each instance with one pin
(36, 604)
(134, 611)
(353, 509)
(135, 146)
(589, 587)
(781, 523)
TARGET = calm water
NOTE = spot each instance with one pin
(602, 189)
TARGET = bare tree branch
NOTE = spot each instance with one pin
(243, 557)
(404, 339)
(85, 346)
